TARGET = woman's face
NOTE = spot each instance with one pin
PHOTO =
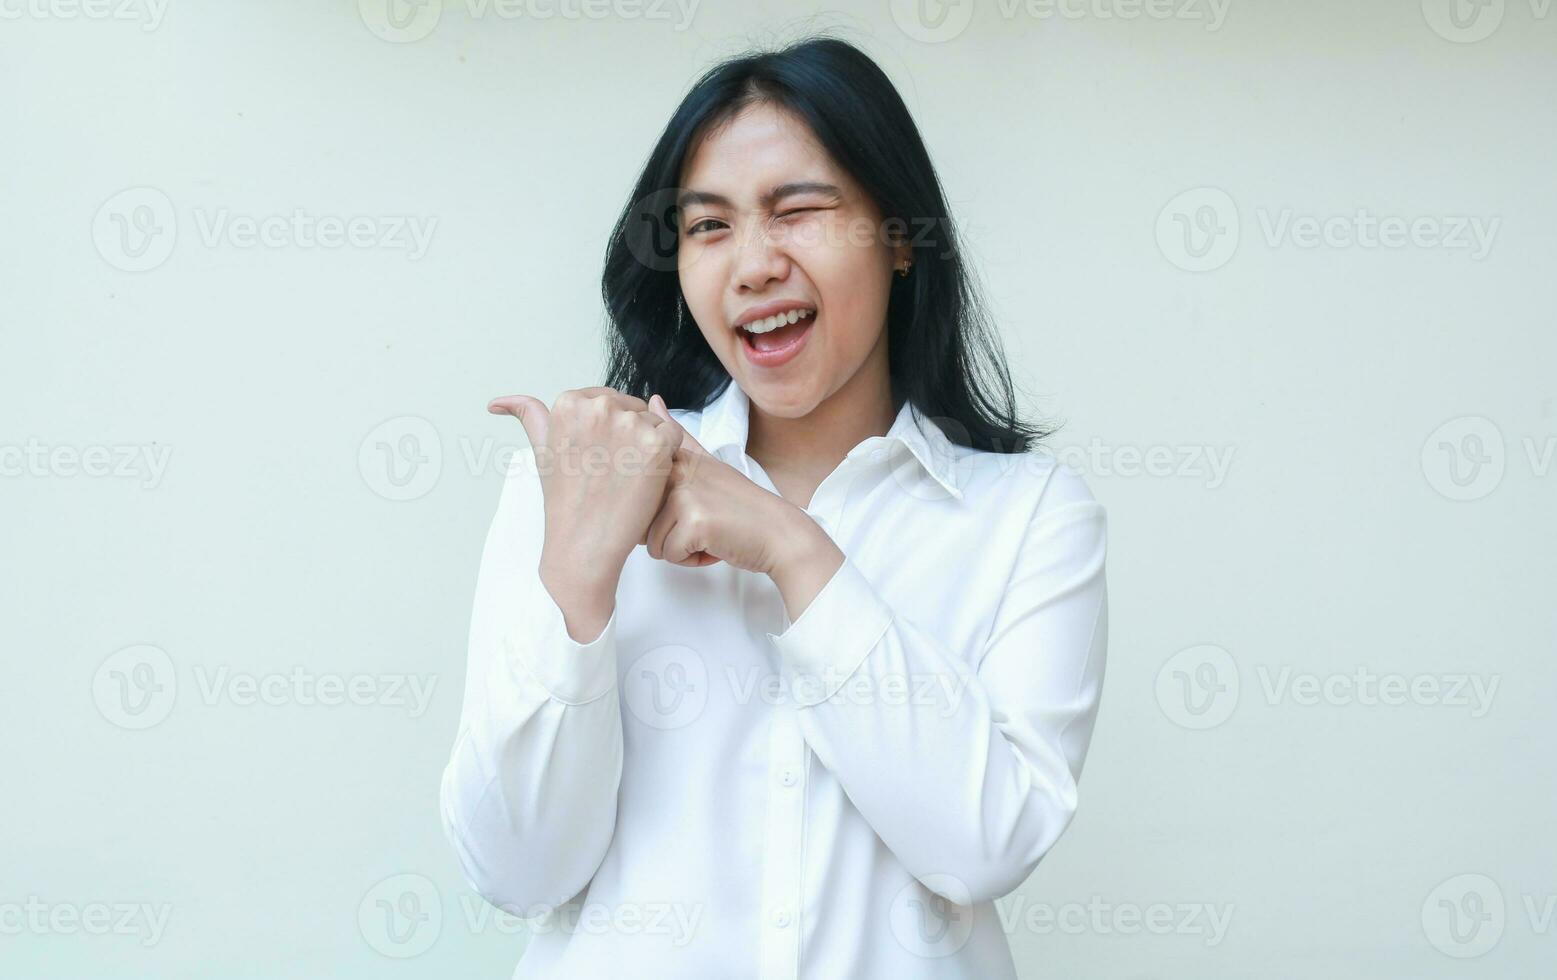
(818, 245)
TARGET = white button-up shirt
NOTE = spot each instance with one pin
(708, 790)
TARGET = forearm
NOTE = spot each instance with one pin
(964, 761)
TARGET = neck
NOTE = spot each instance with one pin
(815, 443)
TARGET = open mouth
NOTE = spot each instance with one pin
(777, 332)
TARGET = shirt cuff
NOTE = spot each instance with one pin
(820, 650)
(570, 671)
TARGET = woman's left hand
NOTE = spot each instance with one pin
(712, 513)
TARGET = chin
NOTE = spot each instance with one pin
(794, 400)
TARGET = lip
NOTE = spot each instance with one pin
(770, 309)
(780, 356)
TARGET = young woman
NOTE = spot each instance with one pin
(838, 700)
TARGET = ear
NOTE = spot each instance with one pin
(897, 238)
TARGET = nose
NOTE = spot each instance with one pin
(759, 261)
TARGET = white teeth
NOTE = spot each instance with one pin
(776, 321)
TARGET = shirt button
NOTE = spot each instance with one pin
(781, 918)
(789, 777)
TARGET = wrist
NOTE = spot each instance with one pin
(804, 554)
(577, 586)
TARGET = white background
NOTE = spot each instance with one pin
(1386, 418)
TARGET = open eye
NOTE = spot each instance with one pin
(693, 229)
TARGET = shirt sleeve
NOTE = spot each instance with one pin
(528, 797)
(966, 763)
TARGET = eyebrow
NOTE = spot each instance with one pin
(689, 198)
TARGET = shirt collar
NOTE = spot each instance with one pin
(725, 422)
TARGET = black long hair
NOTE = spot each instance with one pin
(943, 357)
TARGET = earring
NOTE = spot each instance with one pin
(902, 270)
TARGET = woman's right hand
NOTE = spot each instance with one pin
(604, 459)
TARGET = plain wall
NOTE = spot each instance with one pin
(1328, 461)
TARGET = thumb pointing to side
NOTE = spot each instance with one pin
(531, 412)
